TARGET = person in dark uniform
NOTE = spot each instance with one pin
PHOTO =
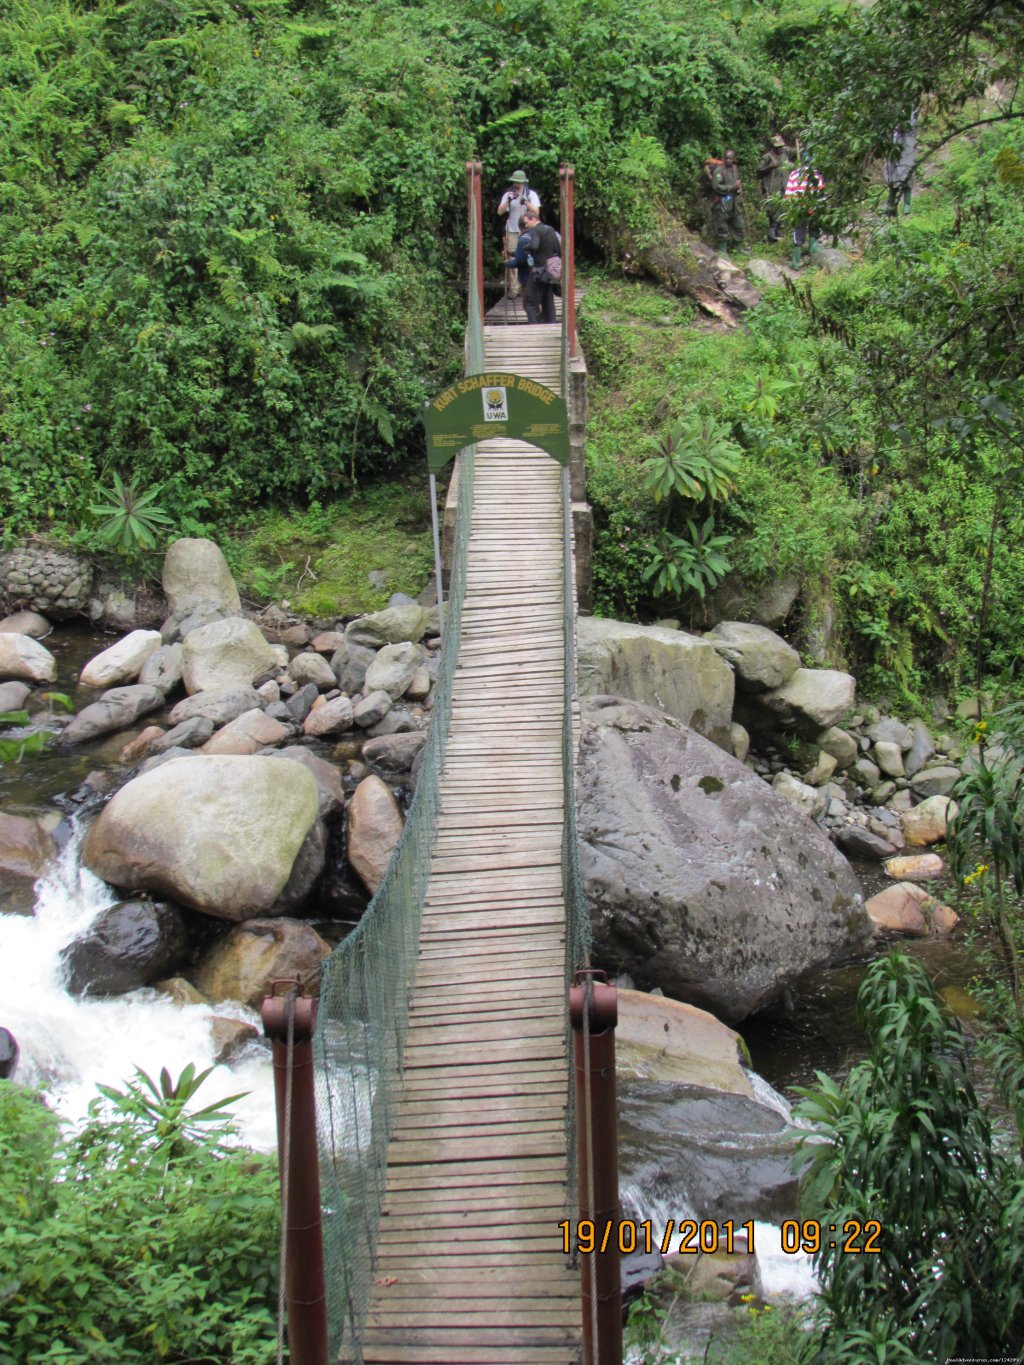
(771, 178)
(726, 220)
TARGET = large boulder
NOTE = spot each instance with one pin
(328, 780)
(220, 833)
(25, 849)
(374, 828)
(122, 662)
(196, 572)
(129, 944)
(700, 879)
(767, 603)
(679, 674)
(242, 964)
(350, 663)
(26, 623)
(25, 658)
(228, 653)
(811, 701)
(762, 659)
(388, 627)
(312, 668)
(118, 708)
(163, 668)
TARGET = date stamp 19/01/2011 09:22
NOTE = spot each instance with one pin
(691, 1237)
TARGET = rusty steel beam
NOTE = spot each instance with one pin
(305, 1296)
(597, 1136)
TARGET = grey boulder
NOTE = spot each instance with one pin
(128, 945)
(700, 879)
(762, 659)
(116, 710)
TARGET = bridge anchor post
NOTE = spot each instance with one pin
(593, 1012)
(291, 1019)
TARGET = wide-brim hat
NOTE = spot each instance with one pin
(778, 141)
(518, 177)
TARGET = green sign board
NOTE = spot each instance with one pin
(495, 404)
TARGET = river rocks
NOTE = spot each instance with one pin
(48, 580)
(123, 661)
(328, 641)
(116, 710)
(180, 624)
(195, 571)
(922, 748)
(811, 701)
(840, 745)
(762, 660)
(680, 674)
(920, 867)
(767, 603)
(371, 709)
(330, 798)
(331, 718)
(189, 734)
(821, 770)
(13, 696)
(391, 626)
(26, 659)
(349, 664)
(312, 668)
(889, 758)
(242, 964)
(394, 753)
(393, 669)
(228, 653)
(926, 823)
(857, 841)
(219, 705)
(25, 849)
(936, 781)
(247, 733)
(25, 623)
(219, 833)
(374, 828)
(667, 1040)
(137, 748)
(126, 946)
(909, 910)
(888, 730)
(700, 879)
(230, 1038)
(799, 794)
(163, 668)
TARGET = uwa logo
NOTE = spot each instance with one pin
(495, 405)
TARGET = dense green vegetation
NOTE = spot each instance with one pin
(140, 1237)
(231, 264)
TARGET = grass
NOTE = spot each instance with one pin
(318, 561)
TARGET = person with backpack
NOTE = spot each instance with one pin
(538, 261)
(771, 178)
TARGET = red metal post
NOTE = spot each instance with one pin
(304, 1252)
(567, 176)
(597, 1136)
(474, 172)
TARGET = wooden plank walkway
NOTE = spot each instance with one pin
(470, 1269)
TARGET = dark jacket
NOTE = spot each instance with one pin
(534, 248)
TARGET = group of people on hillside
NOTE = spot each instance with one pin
(787, 179)
(802, 186)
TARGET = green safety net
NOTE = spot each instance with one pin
(367, 981)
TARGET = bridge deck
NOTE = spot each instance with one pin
(470, 1270)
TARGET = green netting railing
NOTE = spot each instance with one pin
(577, 915)
(366, 984)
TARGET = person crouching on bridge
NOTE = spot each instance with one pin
(537, 244)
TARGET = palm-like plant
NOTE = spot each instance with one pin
(694, 459)
(133, 519)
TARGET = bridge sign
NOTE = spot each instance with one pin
(495, 404)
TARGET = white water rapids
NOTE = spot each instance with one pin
(69, 1046)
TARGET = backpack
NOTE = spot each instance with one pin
(551, 270)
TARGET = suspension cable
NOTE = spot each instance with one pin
(286, 1156)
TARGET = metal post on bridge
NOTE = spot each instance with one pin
(567, 182)
(289, 1021)
(593, 1013)
(474, 172)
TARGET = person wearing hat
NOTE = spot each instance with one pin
(771, 177)
(726, 217)
(517, 198)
